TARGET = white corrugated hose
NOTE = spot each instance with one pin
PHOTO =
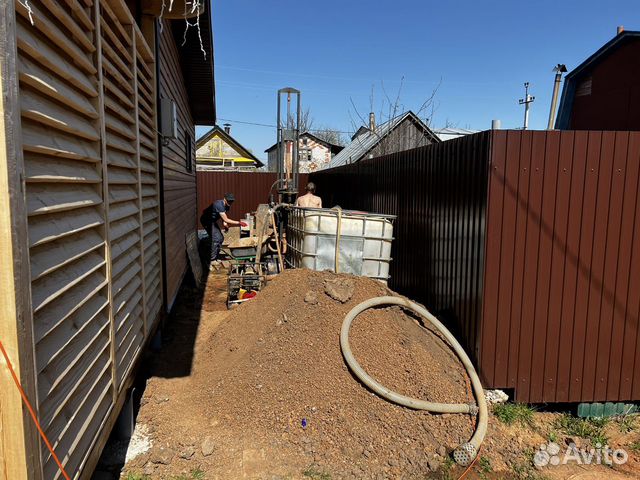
(463, 454)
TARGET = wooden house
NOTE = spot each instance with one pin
(603, 92)
(218, 150)
(92, 212)
(403, 132)
(315, 154)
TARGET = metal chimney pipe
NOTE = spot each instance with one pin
(372, 122)
(227, 128)
(619, 30)
(559, 69)
(496, 124)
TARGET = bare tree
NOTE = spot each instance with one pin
(306, 120)
(390, 108)
(330, 135)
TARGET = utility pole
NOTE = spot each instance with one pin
(559, 69)
(526, 101)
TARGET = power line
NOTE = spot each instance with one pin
(316, 130)
(247, 123)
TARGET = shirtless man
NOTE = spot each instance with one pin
(309, 200)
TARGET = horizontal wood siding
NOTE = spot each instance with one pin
(149, 182)
(19, 451)
(122, 188)
(87, 105)
(179, 184)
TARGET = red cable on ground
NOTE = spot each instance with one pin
(32, 412)
(464, 474)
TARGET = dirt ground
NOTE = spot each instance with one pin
(262, 392)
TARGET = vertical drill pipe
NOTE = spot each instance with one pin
(296, 140)
(288, 168)
(279, 142)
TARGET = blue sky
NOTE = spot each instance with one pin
(477, 54)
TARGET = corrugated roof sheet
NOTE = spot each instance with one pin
(363, 143)
(449, 133)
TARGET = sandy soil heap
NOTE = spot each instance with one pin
(273, 379)
(263, 392)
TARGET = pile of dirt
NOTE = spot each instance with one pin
(270, 393)
(262, 392)
(283, 379)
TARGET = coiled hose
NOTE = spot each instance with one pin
(463, 454)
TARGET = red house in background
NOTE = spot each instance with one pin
(603, 93)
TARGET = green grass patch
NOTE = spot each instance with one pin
(635, 446)
(484, 467)
(588, 428)
(446, 469)
(313, 472)
(196, 474)
(525, 470)
(512, 413)
(627, 423)
(137, 476)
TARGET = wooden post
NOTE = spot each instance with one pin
(20, 455)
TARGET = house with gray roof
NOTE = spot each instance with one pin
(403, 132)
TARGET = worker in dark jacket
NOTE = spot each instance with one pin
(210, 219)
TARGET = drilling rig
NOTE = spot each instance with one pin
(288, 124)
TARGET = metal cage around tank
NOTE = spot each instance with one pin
(361, 241)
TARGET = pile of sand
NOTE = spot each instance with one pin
(268, 395)
(273, 374)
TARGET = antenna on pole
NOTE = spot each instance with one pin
(526, 101)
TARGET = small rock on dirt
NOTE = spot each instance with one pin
(208, 446)
(187, 452)
(434, 464)
(442, 451)
(282, 320)
(149, 469)
(340, 289)
(162, 455)
(311, 297)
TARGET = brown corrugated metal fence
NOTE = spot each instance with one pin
(562, 296)
(249, 188)
(526, 243)
(438, 193)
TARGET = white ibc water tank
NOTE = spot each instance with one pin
(362, 241)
